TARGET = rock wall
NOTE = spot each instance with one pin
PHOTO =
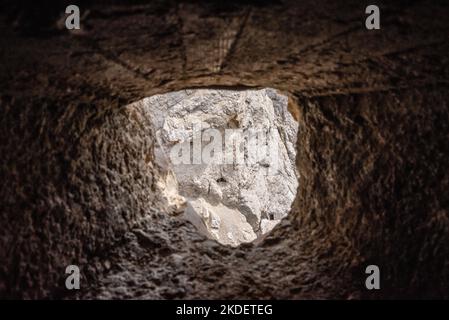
(232, 154)
(80, 185)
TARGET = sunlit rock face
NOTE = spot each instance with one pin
(232, 154)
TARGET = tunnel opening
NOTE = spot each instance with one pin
(226, 159)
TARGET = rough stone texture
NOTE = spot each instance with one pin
(251, 179)
(79, 184)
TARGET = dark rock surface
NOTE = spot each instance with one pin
(78, 181)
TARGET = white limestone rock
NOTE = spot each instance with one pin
(236, 202)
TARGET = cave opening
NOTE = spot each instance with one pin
(226, 158)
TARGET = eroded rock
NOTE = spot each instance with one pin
(239, 197)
